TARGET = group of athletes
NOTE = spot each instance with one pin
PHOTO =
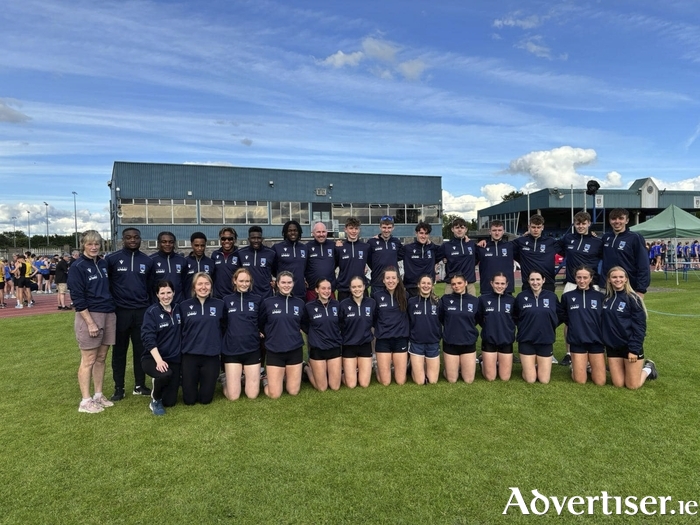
(187, 317)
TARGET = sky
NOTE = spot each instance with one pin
(493, 96)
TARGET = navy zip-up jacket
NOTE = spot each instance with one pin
(535, 254)
(382, 254)
(161, 329)
(390, 321)
(352, 261)
(88, 281)
(356, 321)
(322, 324)
(458, 315)
(320, 262)
(130, 278)
(418, 259)
(259, 263)
(194, 266)
(581, 311)
(424, 321)
(581, 250)
(224, 266)
(242, 327)
(536, 317)
(461, 258)
(291, 257)
(495, 316)
(624, 322)
(173, 267)
(493, 258)
(280, 321)
(627, 249)
(202, 326)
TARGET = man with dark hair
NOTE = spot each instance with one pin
(384, 252)
(291, 257)
(494, 256)
(320, 262)
(259, 260)
(459, 255)
(130, 272)
(169, 265)
(625, 248)
(61, 280)
(536, 253)
(197, 261)
(351, 256)
(419, 258)
(225, 262)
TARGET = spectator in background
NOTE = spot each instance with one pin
(61, 279)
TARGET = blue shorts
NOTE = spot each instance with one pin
(427, 350)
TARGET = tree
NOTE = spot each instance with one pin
(512, 195)
(447, 219)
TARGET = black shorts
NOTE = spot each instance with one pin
(538, 350)
(501, 349)
(250, 358)
(2, 285)
(282, 359)
(458, 349)
(353, 351)
(391, 345)
(317, 354)
(19, 282)
(591, 348)
(621, 352)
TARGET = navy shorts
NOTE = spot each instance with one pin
(501, 349)
(353, 351)
(538, 350)
(458, 349)
(621, 352)
(591, 348)
(427, 350)
(250, 358)
(282, 359)
(391, 345)
(317, 354)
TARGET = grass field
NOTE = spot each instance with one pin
(412, 454)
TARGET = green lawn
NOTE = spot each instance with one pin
(411, 454)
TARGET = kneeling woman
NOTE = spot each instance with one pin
(391, 328)
(280, 323)
(322, 324)
(241, 349)
(581, 311)
(203, 320)
(356, 319)
(458, 316)
(536, 318)
(624, 329)
(160, 333)
(425, 333)
(495, 316)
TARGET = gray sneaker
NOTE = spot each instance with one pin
(103, 401)
(653, 374)
(90, 407)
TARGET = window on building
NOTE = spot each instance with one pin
(235, 212)
(284, 211)
(431, 213)
(211, 212)
(413, 213)
(398, 212)
(132, 213)
(257, 212)
(341, 212)
(160, 211)
(361, 212)
(376, 212)
(184, 211)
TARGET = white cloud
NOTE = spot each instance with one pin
(8, 114)
(535, 46)
(513, 20)
(691, 140)
(494, 192)
(379, 49)
(341, 59)
(464, 205)
(412, 69)
(683, 185)
(209, 163)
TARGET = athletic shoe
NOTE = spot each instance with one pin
(60, 308)
(118, 394)
(304, 373)
(653, 374)
(19, 306)
(566, 361)
(103, 401)
(554, 360)
(157, 407)
(2, 305)
(90, 407)
(516, 359)
(141, 390)
(31, 305)
(222, 378)
(480, 361)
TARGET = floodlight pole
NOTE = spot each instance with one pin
(14, 232)
(29, 232)
(75, 218)
(47, 222)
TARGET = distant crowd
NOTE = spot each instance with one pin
(27, 274)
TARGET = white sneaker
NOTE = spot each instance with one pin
(103, 401)
(90, 407)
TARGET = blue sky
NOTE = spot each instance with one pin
(492, 96)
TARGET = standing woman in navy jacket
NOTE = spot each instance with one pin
(280, 322)
(160, 333)
(458, 312)
(357, 314)
(203, 318)
(581, 311)
(425, 333)
(391, 328)
(536, 318)
(322, 324)
(495, 316)
(241, 348)
(624, 329)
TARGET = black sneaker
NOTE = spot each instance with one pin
(566, 361)
(653, 374)
(304, 373)
(141, 390)
(118, 394)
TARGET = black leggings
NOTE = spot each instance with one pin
(165, 384)
(199, 375)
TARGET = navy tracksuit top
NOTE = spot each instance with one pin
(280, 321)
(495, 316)
(88, 281)
(356, 321)
(242, 323)
(172, 267)
(390, 321)
(624, 322)
(130, 274)
(322, 324)
(202, 326)
(536, 317)
(458, 314)
(161, 329)
(581, 311)
(424, 320)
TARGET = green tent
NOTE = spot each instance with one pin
(673, 222)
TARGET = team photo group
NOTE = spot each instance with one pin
(250, 311)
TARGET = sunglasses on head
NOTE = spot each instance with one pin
(387, 218)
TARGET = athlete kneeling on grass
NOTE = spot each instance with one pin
(624, 329)
(322, 324)
(391, 328)
(160, 333)
(425, 333)
(357, 314)
(536, 318)
(280, 323)
(495, 316)
(581, 311)
(241, 349)
(458, 316)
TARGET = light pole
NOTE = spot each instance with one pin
(29, 232)
(14, 231)
(47, 222)
(75, 217)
